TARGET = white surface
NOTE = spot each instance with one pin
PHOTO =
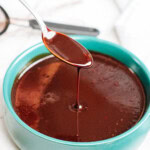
(133, 29)
(102, 14)
(123, 4)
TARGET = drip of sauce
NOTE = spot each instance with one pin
(111, 99)
(71, 52)
(78, 106)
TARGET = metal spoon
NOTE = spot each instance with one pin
(61, 45)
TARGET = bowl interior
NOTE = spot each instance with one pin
(90, 43)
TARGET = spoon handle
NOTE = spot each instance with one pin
(36, 15)
(66, 28)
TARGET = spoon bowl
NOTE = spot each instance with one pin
(67, 49)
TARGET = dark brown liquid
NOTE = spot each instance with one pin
(112, 99)
(68, 50)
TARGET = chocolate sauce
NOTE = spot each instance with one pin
(68, 50)
(111, 99)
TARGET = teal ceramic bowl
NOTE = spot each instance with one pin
(28, 139)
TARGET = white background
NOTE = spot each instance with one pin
(113, 18)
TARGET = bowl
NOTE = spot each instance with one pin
(29, 139)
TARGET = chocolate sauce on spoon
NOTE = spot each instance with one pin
(67, 49)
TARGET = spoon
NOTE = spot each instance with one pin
(61, 45)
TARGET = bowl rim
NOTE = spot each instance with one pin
(109, 140)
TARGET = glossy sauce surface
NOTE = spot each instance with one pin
(112, 97)
(68, 50)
